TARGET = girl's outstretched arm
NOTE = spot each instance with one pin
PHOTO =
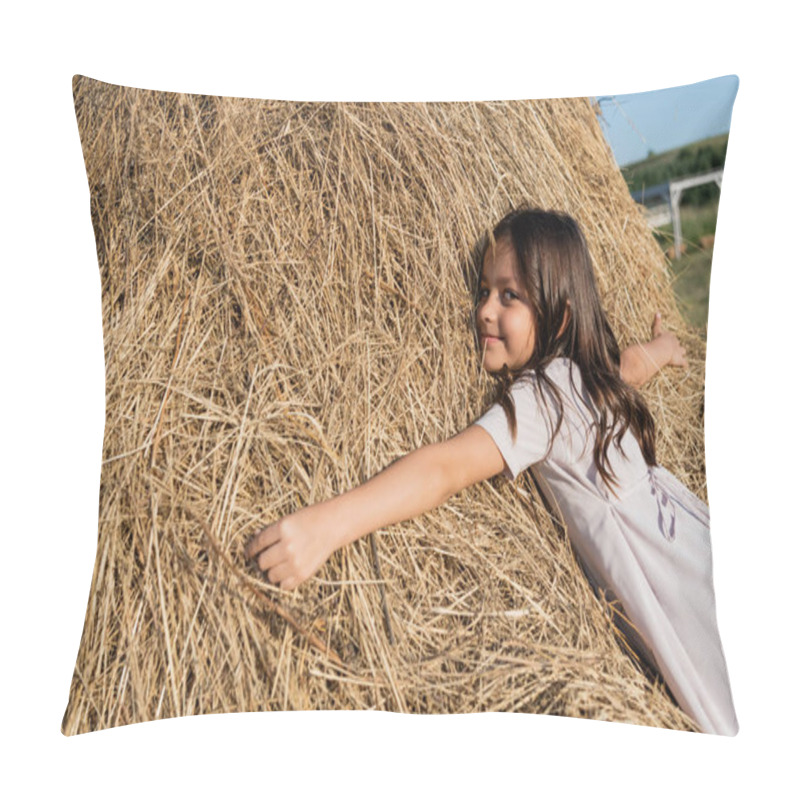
(639, 362)
(292, 549)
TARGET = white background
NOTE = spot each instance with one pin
(53, 385)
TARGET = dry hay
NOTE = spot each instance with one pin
(287, 291)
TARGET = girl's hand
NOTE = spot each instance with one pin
(639, 362)
(675, 353)
(292, 549)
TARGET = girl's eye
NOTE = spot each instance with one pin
(508, 293)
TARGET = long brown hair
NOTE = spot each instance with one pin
(556, 267)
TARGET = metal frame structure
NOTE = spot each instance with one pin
(671, 192)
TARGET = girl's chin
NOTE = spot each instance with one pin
(493, 368)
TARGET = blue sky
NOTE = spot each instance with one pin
(665, 119)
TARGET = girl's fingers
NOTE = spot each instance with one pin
(656, 324)
(263, 539)
(276, 553)
(679, 357)
(271, 557)
(280, 574)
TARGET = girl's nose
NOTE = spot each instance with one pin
(487, 310)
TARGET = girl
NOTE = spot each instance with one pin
(566, 408)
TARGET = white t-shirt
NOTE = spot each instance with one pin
(648, 546)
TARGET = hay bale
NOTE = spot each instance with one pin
(287, 293)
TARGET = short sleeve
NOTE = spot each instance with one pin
(533, 429)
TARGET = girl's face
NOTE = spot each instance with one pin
(504, 316)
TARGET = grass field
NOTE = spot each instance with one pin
(692, 272)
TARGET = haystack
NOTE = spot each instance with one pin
(287, 295)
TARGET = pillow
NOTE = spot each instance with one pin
(288, 293)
